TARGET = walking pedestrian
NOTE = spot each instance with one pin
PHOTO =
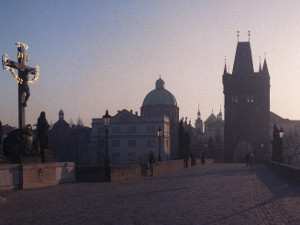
(186, 161)
(251, 162)
(152, 160)
(247, 159)
(203, 157)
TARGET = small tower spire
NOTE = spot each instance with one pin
(220, 115)
(259, 64)
(265, 68)
(238, 36)
(61, 115)
(225, 68)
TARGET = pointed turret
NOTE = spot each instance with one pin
(198, 122)
(220, 115)
(265, 69)
(243, 64)
(225, 70)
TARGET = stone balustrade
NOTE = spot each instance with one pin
(35, 175)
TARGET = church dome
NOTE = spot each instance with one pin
(159, 96)
(211, 119)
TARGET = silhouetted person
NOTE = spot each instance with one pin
(203, 157)
(152, 160)
(247, 159)
(186, 161)
(251, 161)
(42, 134)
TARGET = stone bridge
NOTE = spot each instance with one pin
(207, 195)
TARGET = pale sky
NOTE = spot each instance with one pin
(97, 55)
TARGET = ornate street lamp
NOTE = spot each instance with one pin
(281, 133)
(106, 119)
(159, 134)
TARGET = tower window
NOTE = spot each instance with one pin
(234, 98)
(250, 98)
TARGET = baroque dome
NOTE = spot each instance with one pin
(159, 96)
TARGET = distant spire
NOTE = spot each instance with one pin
(238, 36)
(248, 35)
(265, 68)
(219, 116)
(198, 113)
(225, 68)
(259, 64)
(61, 115)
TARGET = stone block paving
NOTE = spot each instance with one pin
(207, 195)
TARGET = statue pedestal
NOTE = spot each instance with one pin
(3, 158)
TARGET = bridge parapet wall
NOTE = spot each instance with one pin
(291, 172)
(124, 172)
(35, 175)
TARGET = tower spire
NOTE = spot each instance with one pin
(219, 116)
(225, 67)
(238, 36)
(259, 64)
(265, 68)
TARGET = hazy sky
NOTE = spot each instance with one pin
(97, 54)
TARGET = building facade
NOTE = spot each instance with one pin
(247, 107)
(130, 138)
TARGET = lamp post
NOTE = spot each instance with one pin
(106, 119)
(262, 151)
(281, 135)
(159, 134)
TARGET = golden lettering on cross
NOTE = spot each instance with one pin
(23, 56)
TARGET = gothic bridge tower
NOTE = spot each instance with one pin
(247, 107)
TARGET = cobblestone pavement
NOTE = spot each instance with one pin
(209, 194)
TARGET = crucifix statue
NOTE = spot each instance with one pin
(22, 78)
